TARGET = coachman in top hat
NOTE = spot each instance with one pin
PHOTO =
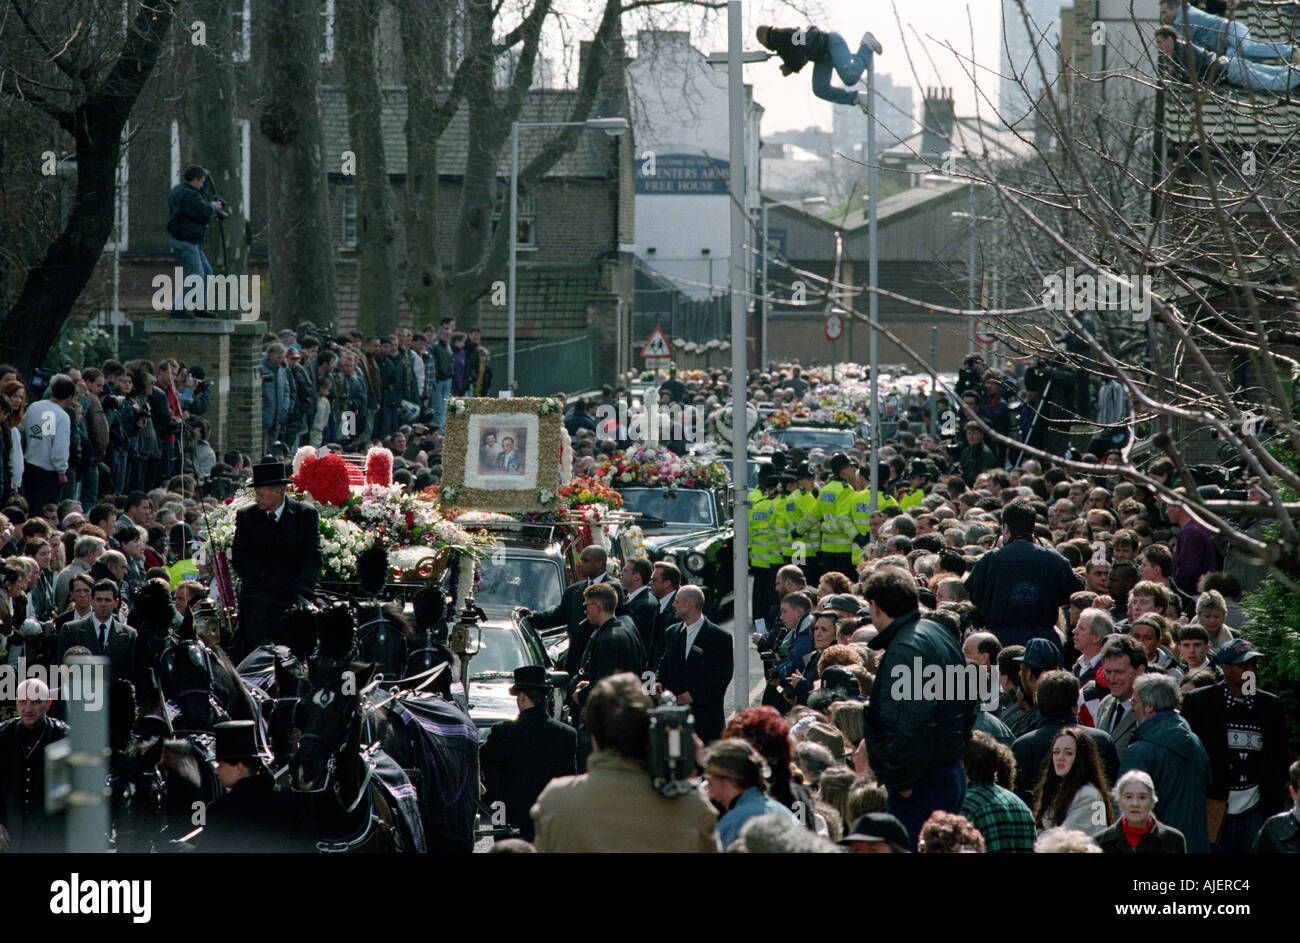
(276, 553)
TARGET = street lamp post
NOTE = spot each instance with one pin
(766, 305)
(612, 127)
(873, 258)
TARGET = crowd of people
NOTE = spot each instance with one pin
(353, 388)
(1122, 710)
(1096, 689)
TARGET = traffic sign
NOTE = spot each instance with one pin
(985, 331)
(657, 346)
(834, 327)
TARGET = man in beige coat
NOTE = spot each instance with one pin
(613, 807)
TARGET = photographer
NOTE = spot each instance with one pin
(195, 390)
(614, 806)
(189, 216)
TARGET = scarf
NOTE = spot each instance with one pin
(1134, 835)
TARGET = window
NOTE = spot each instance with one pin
(121, 194)
(327, 18)
(241, 18)
(349, 237)
(526, 217)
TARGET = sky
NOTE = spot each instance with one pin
(915, 36)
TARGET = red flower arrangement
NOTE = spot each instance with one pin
(325, 479)
(379, 467)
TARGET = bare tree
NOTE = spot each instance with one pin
(303, 283)
(378, 286)
(58, 67)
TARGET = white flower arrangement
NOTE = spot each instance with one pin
(456, 406)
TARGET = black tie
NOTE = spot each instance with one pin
(271, 516)
(103, 639)
(1116, 717)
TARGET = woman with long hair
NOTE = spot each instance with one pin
(11, 436)
(146, 451)
(1073, 790)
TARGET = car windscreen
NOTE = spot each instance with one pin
(816, 438)
(508, 581)
(682, 506)
(501, 652)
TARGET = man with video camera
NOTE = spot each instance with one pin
(189, 216)
(614, 805)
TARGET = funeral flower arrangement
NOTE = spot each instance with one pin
(644, 467)
(721, 424)
(355, 515)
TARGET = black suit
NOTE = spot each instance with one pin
(570, 614)
(613, 648)
(704, 675)
(121, 644)
(664, 618)
(1205, 711)
(276, 563)
(520, 757)
(253, 817)
(644, 612)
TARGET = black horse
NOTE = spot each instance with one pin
(351, 809)
(203, 684)
(155, 786)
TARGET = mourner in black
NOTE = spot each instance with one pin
(697, 663)
(664, 583)
(569, 613)
(252, 817)
(522, 755)
(614, 645)
(24, 826)
(103, 633)
(276, 553)
(641, 606)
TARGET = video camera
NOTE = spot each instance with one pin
(672, 748)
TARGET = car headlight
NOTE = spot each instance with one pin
(695, 562)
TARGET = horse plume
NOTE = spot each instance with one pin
(336, 632)
(297, 629)
(372, 569)
(430, 608)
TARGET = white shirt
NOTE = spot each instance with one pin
(692, 632)
(100, 635)
(637, 592)
(666, 601)
(277, 512)
(1117, 718)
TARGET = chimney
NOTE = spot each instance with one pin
(937, 120)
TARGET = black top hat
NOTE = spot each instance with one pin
(237, 743)
(270, 473)
(530, 676)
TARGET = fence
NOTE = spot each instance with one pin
(553, 365)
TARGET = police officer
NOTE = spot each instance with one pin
(861, 515)
(831, 515)
(760, 540)
(920, 474)
(801, 543)
(252, 817)
(522, 755)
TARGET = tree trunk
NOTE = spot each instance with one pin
(377, 283)
(303, 286)
(32, 325)
(210, 134)
(423, 28)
